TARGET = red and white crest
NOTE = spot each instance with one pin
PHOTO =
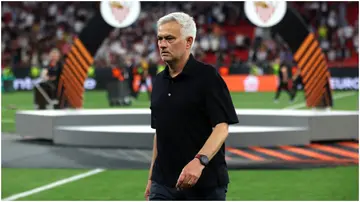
(120, 13)
(265, 13)
(265, 9)
(119, 10)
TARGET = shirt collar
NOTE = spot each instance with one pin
(189, 66)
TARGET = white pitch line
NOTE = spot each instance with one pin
(54, 184)
(335, 97)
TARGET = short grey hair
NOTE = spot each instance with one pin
(186, 21)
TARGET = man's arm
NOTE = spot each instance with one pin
(221, 113)
(147, 190)
(215, 141)
(154, 155)
(192, 171)
(285, 75)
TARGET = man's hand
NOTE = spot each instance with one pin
(147, 190)
(190, 174)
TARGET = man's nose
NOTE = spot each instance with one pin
(162, 44)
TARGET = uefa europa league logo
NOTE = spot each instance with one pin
(265, 13)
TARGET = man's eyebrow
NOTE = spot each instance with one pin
(165, 36)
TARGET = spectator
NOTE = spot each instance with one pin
(31, 29)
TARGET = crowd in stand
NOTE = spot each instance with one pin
(335, 25)
(31, 29)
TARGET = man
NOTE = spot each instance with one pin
(296, 80)
(283, 77)
(130, 80)
(52, 71)
(191, 108)
(50, 78)
(117, 86)
(143, 70)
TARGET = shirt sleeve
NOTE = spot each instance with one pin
(153, 120)
(219, 105)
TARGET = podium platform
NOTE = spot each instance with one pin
(130, 128)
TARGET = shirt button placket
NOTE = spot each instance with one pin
(171, 84)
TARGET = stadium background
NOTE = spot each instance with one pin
(225, 39)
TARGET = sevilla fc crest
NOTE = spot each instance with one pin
(119, 10)
(121, 13)
(265, 9)
(265, 13)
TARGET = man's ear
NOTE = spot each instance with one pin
(189, 42)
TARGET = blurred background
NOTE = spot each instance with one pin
(37, 35)
(225, 38)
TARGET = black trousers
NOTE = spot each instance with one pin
(283, 86)
(295, 84)
(143, 82)
(160, 192)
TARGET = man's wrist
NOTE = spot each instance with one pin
(203, 159)
(200, 164)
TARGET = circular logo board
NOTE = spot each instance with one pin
(265, 13)
(120, 14)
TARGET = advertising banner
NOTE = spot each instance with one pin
(341, 79)
(250, 83)
(344, 78)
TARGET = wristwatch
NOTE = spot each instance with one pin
(204, 160)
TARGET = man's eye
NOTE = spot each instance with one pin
(167, 39)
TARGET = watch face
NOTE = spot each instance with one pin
(204, 160)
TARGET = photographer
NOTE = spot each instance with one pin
(49, 80)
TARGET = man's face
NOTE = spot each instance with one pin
(172, 45)
(55, 55)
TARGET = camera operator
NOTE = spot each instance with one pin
(49, 79)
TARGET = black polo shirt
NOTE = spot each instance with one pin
(288, 71)
(55, 71)
(184, 111)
